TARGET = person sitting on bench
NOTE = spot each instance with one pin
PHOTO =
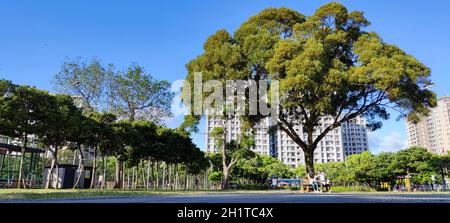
(313, 183)
(320, 179)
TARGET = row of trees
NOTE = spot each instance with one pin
(415, 164)
(255, 169)
(91, 120)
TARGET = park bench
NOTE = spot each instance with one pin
(307, 187)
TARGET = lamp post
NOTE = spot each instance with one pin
(76, 83)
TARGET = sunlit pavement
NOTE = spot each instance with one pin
(265, 198)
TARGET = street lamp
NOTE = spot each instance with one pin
(63, 92)
(70, 85)
(432, 85)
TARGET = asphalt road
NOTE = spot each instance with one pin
(264, 198)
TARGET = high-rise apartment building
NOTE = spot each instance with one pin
(350, 138)
(233, 130)
(433, 131)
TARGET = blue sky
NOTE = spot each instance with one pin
(36, 37)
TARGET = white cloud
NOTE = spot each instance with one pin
(387, 143)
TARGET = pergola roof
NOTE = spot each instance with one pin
(8, 147)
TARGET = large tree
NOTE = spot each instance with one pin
(82, 137)
(102, 140)
(61, 121)
(327, 65)
(21, 115)
(231, 151)
(136, 95)
(86, 81)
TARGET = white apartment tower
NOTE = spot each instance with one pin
(433, 131)
(233, 129)
(350, 138)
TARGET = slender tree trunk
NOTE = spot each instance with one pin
(157, 176)
(128, 180)
(148, 174)
(186, 186)
(119, 177)
(164, 177)
(123, 174)
(94, 169)
(57, 173)
(169, 176)
(50, 174)
(226, 178)
(134, 177)
(177, 179)
(74, 157)
(105, 165)
(24, 146)
(143, 171)
(80, 169)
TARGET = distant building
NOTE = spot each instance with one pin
(350, 138)
(433, 131)
(233, 130)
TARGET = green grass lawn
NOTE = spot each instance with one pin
(29, 194)
(26, 194)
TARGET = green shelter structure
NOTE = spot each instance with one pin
(10, 163)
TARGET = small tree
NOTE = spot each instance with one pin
(359, 167)
(412, 160)
(83, 135)
(106, 140)
(441, 164)
(383, 167)
(231, 151)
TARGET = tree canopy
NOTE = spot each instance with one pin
(327, 65)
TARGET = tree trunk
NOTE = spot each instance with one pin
(50, 174)
(309, 162)
(74, 157)
(177, 179)
(133, 177)
(94, 169)
(157, 176)
(186, 186)
(24, 146)
(57, 174)
(57, 167)
(169, 175)
(144, 179)
(80, 169)
(164, 177)
(226, 178)
(105, 165)
(148, 174)
(123, 173)
(118, 178)
(128, 180)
